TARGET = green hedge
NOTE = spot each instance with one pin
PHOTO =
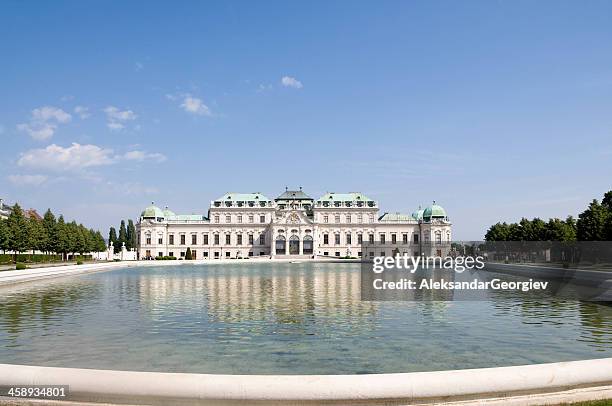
(40, 258)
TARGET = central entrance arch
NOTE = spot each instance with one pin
(280, 244)
(294, 245)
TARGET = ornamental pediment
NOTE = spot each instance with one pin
(291, 218)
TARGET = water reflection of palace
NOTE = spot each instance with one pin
(287, 294)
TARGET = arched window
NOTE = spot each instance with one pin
(308, 245)
(280, 244)
(294, 245)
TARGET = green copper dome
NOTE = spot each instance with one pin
(168, 212)
(418, 215)
(152, 212)
(434, 211)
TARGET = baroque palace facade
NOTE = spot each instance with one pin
(240, 225)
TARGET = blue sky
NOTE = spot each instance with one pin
(495, 109)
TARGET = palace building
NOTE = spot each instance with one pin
(240, 225)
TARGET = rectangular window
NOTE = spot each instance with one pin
(251, 219)
(337, 218)
(239, 239)
(348, 239)
(382, 253)
(348, 218)
(205, 238)
(228, 219)
(250, 239)
(250, 253)
(415, 238)
(194, 254)
(148, 253)
(326, 219)
(337, 239)
(382, 239)
(148, 240)
(262, 239)
(325, 239)
(160, 254)
(216, 239)
(371, 238)
(216, 254)
(194, 239)
(171, 239)
(160, 241)
(182, 254)
(404, 238)
(205, 254)
(262, 253)
(240, 219)
(337, 253)
(360, 218)
(262, 219)
(359, 238)
(182, 239)
(171, 254)
(393, 238)
(217, 219)
(228, 239)
(227, 254)
(326, 253)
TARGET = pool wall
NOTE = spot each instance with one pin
(520, 385)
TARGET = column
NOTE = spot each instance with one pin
(301, 235)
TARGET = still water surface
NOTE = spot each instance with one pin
(281, 319)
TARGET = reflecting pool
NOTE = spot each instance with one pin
(263, 318)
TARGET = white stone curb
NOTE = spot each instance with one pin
(89, 385)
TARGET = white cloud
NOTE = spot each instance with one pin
(82, 111)
(116, 118)
(74, 157)
(47, 113)
(195, 106)
(140, 156)
(44, 122)
(288, 81)
(27, 180)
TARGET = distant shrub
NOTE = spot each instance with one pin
(116, 260)
(159, 258)
(79, 262)
(20, 266)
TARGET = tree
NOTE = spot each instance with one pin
(99, 243)
(498, 232)
(112, 238)
(63, 243)
(50, 225)
(188, 254)
(122, 233)
(4, 235)
(131, 235)
(37, 235)
(18, 231)
(592, 223)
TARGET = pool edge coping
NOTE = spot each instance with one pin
(186, 388)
